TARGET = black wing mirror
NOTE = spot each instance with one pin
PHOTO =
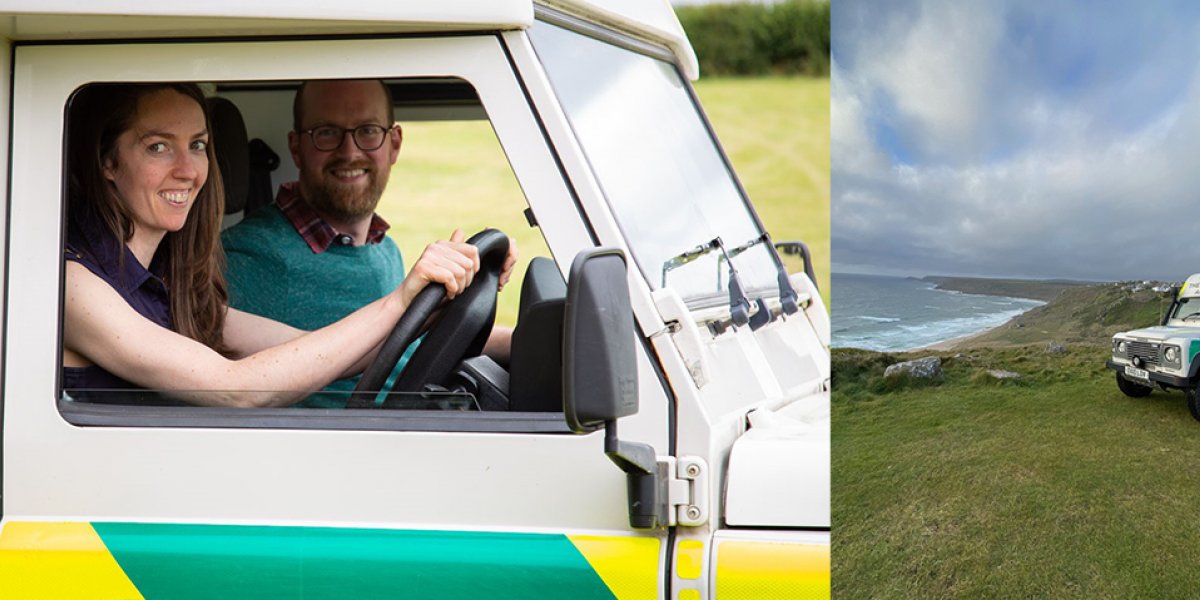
(599, 371)
(1174, 298)
(600, 374)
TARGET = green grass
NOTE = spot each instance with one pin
(1057, 486)
(454, 174)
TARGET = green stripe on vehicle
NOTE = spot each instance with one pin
(1193, 350)
(228, 561)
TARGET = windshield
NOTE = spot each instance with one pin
(1187, 311)
(657, 165)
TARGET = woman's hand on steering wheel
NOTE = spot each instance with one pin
(452, 263)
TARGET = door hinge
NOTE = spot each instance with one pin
(686, 480)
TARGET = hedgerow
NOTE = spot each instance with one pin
(790, 37)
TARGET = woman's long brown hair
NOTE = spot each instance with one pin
(195, 262)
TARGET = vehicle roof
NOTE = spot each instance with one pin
(27, 20)
(1191, 287)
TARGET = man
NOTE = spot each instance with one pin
(320, 251)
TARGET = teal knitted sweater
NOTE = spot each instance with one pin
(272, 272)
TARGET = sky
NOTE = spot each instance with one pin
(1016, 139)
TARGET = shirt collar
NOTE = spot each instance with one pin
(115, 257)
(318, 234)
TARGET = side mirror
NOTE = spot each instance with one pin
(1172, 300)
(600, 375)
(599, 370)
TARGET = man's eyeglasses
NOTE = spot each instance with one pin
(367, 137)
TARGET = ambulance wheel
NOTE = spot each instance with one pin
(1133, 390)
(1193, 402)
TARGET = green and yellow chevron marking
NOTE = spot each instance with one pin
(628, 565)
(59, 560)
(137, 560)
(770, 569)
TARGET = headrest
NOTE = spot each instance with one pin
(232, 151)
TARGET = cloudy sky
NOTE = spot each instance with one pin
(1018, 138)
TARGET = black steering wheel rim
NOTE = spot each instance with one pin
(460, 331)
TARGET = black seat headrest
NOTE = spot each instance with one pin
(231, 147)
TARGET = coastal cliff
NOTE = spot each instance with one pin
(1045, 290)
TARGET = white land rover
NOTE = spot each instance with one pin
(1166, 355)
(662, 308)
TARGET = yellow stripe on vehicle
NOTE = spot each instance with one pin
(59, 560)
(689, 559)
(628, 565)
(768, 569)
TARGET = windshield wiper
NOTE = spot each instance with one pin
(739, 302)
(788, 298)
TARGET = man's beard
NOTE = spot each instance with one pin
(341, 202)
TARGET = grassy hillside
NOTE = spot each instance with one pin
(1052, 485)
(1057, 486)
(776, 130)
(1089, 314)
(1015, 288)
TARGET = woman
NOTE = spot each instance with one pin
(145, 296)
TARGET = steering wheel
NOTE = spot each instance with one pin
(460, 331)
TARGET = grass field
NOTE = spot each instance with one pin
(1057, 486)
(776, 130)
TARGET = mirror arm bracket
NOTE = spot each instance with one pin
(646, 487)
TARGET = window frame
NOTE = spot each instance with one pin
(133, 415)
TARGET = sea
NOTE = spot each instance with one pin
(881, 313)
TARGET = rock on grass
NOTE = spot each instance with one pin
(929, 367)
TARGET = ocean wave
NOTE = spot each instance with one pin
(915, 317)
(910, 336)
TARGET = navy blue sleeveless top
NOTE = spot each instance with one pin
(91, 244)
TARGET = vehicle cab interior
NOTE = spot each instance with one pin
(249, 124)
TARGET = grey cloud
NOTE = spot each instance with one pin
(1016, 176)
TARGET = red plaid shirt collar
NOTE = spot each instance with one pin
(316, 232)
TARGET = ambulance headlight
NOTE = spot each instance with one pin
(1171, 356)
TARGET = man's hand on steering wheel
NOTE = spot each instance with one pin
(464, 325)
(452, 263)
(510, 261)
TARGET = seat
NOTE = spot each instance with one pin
(535, 363)
(232, 151)
(263, 160)
(245, 164)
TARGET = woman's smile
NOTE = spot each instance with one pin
(160, 166)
